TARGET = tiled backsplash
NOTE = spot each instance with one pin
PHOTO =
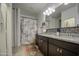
(51, 30)
(69, 31)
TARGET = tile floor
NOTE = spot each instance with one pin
(28, 50)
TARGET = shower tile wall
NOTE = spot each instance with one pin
(28, 30)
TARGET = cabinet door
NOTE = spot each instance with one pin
(51, 50)
(57, 51)
(41, 45)
(37, 40)
(45, 48)
(68, 53)
(54, 50)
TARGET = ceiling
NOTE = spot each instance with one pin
(37, 8)
(34, 8)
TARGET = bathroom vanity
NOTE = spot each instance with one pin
(52, 45)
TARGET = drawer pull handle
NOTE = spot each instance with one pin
(61, 51)
(57, 49)
(41, 40)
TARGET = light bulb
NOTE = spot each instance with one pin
(53, 10)
(50, 10)
(44, 13)
(48, 13)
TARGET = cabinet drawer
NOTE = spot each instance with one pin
(67, 53)
(43, 38)
(58, 51)
(51, 41)
(67, 45)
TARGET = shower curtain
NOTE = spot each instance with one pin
(28, 30)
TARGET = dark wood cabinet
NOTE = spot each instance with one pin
(57, 51)
(67, 53)
(54, 47)
(54, 50)
(42, 43)
(44, 48)
(51, 50)
(39, 42)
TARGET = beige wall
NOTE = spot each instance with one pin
(6, 33)
(3, 30)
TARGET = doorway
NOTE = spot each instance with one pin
(28, 30)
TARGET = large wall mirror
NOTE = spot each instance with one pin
(70, 22)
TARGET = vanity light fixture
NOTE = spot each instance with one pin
(53, 10)
(44, 13)
(49, 11)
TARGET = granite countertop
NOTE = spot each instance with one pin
(64, 38)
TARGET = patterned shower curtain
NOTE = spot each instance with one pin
(28, 30)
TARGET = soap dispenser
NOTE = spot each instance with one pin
(58, 32)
